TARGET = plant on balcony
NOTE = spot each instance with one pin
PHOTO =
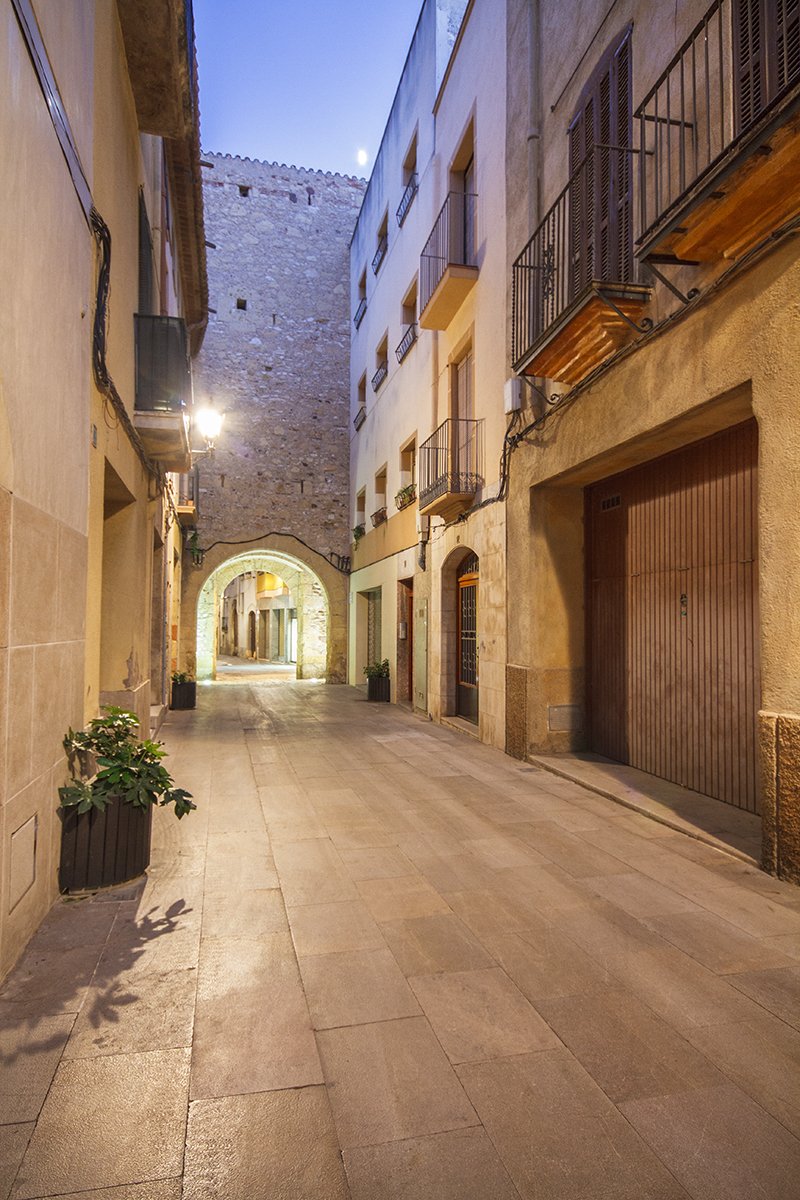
(107, 806)
(184, 690)
(358, 532)
(407, 495)
(378, 682)
(378, 517)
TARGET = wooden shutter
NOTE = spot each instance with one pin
(766, 54)
(599, 135)
(750, 61)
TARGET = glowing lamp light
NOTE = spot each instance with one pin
(209, 423)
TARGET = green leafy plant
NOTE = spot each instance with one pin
(129, 770)
(358, 533)
(407, 495)
(377, 670)
(181, 677)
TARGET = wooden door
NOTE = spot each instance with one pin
(467, 657)
(672, 616)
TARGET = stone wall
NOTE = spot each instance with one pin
(278, 367)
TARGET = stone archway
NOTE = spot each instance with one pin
(318, 587)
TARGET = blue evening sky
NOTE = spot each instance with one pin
(308, 82)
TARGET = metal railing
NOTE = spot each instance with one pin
(584, 239)
(449, 461)
(163, 372)
(407, 341)
(358, 315)
(380, 253)
(188, 488)
(452, 242)
(380, 375)
(379, 517)
(360, 417)
(715, 91)
(407, 199)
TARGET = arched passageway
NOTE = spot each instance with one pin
(314, 632)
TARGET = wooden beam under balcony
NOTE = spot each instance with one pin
(451, 291)
(587, 333)
(738, 208)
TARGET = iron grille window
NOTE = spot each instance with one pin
(163, 373)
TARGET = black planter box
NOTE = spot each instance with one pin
(184, 695)
(379, 687)
(100, 849)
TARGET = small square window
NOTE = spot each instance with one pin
(244, 190)
(241, 304)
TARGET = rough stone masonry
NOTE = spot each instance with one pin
(275, 357)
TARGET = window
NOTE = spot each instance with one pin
(600, 134)
(407, 493)
(766, 54)
(409, 181)
(241, 304)
(465, 441)
(361, 507)
(361, 306)
(383, 244)
(463, 182)
(244, 190)
(408, 317)
(381, 363)
(361, 408)
(379, 516)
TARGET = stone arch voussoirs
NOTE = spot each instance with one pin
(278, 552)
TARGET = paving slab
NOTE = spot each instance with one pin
(384, 961)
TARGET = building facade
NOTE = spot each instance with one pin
(273, 497)
(582, 243)
(652, 536)
(428, 281)
(103, 246)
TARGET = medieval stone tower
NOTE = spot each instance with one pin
(275, 362)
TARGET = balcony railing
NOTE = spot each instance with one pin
(360, 417)
(584, 242)
(163, 373)
(379, 517)
(380, 375)
(449, 463)
(406, 342)
(380, 253)
(358, 315)
(188, 488)
(451, 243)
(407, 199)
(718, 92)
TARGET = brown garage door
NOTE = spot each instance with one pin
(673, 616)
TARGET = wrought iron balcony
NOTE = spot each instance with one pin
(163, 389)
(449, 468)
(360, 417)
(380, 375)
(380, 253)
(719, 131)
(358, 315)
(379, 517)
(448, 267)
(575, 298)
(407, 199)
(406, 342)
(188, 496)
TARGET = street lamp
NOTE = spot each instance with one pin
(208, 422)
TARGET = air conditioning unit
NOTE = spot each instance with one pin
(514, 394)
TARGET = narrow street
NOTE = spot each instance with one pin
(384, 961)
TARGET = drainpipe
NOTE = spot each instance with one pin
(534, 116)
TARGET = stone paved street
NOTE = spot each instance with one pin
(383, 961)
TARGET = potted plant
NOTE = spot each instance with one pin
(378, 683)
(184, 690)
(107, 815)
(358, 532)
(407, 495)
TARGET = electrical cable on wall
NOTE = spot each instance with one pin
(340, 562)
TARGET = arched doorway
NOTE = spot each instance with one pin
(307, 601)
(459, 635)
